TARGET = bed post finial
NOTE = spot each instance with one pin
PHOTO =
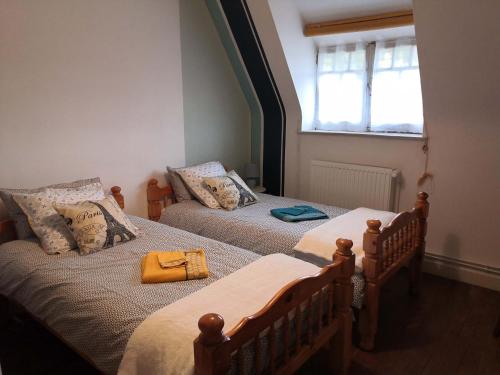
(374, 226)
(116, 192)
(153, 182)
(343, 248)
(207, 346)
(423, 203)
(211, 326)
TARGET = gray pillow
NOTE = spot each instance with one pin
(15, 212)
(180, 190)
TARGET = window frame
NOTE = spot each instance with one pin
(370, 55)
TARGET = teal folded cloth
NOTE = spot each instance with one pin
(298, 213)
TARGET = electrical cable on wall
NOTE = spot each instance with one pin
(426, 175)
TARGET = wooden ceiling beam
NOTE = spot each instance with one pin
(348, 25)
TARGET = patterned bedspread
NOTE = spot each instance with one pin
(255, 229)
(250, 227)
(95, 302)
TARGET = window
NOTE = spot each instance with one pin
(372, 87)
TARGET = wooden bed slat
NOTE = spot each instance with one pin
(272, 347)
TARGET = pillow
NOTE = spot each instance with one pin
(15, 212)
(193, 178)
(97, 225)
(230, 191)
(180, 190)
(46, 223)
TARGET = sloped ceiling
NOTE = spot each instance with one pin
(327, 10)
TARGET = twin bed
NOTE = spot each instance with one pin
(259, 311)
(275, 321)
(380, 253)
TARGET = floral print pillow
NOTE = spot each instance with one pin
(15, 212)
(46, 223)
(193, 178)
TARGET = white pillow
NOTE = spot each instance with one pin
(47, 224)
(193, 178)
(97, 225)
(230, 191)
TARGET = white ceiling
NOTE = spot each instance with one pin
(327, 10)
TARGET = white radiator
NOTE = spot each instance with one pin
(352, 185)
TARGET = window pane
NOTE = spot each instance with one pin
(396, 101)
(402, 56)
(414, 57)
(358, 60)
(341, 87)
(396, 96)
(325, 61)
(341, 98)
(340, 61)
(383, 58)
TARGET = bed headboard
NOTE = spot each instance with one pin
(158, 198)
(8, 229)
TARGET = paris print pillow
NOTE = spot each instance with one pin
(230, 191)
(97, 225)
(54, 236)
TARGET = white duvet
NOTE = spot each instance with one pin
(163, 343)
(320, 241)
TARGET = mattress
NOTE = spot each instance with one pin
(95, 302)
(251, 227)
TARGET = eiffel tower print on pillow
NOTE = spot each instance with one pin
(230, 191)
(97, 225)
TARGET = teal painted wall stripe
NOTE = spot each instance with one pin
(242, 76)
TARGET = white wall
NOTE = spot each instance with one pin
(300, 54)
(216, 113)
(90, 88)
(459, 59)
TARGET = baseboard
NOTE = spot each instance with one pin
(467, 272)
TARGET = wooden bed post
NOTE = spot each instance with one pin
(415, 266)
(7, 231)
(207, 358)
(158, 198)
(372, 265)
(341, 344)
(116, 192)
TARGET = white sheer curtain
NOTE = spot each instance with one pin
(396, 96)
(342, 88)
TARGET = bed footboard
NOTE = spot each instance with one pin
(302, 327)
(401, 243)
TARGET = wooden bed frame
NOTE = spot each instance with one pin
(401, 243)
(214, 349)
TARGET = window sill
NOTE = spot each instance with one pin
(413, 137)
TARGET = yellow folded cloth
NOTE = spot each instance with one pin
(169, 259)
(194, 266)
